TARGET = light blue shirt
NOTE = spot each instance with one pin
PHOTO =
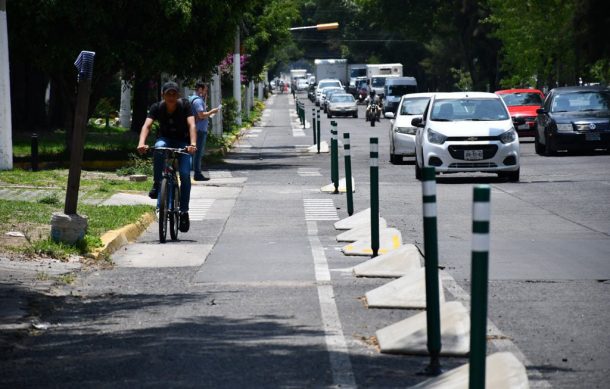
(198, 105)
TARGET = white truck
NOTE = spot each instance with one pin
(377, 73)
(331, 68)
(296, 74)
(355, 71)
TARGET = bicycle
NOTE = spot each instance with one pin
(169, 194)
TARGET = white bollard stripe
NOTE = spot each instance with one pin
(429, 188)
(429, 209)
(347, 152)
(481, 211)
(480, 242)
(374, 148)
(374, 162)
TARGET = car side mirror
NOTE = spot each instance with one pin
(519, 120)
(389, 115)
(541, 111)
(417, 122)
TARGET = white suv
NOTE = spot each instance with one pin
(467, 132)
(326, 83)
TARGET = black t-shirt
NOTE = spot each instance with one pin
(172, 125)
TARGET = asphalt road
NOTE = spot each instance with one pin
(256, 295)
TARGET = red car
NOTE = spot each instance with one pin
(522, 105)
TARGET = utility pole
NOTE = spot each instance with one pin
(237, 77)
(6, 141)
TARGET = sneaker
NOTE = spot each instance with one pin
(185, 223)
(200, 177)
(154, 192)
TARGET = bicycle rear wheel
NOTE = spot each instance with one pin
(163, 211)
(174, 214)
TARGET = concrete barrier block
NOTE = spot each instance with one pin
(342, 188)
(389, 239)
(323, 148)
(356, 220)
(361, 232)
(396, 263)
(407, 292)
(503, 371)
(409, 336)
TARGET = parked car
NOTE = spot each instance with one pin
(574, 118)
(522, 105)
(326, 83)
(467, 132)
(326, 94)
(402, 133)
(342, 104)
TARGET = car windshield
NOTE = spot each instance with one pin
(326, 84)
(399, 90)
(342, 99)
(378, 82)
(330, 91)
(414, 106)
(361, 84)
(581, 101)
(485, 109)
(527, 98)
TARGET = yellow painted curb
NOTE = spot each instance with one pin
(115, 239)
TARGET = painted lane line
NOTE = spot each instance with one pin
(320, 209)
(198, 208)
(341, 366)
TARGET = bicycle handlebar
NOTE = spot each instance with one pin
(172, 149)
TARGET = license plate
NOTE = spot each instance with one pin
(592, 136)
(473, 155)
(524, 127)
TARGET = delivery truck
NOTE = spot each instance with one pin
(377, 74)
(331, 68)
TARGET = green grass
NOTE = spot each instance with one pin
(90, 181)
(100, 143)
(101, 219)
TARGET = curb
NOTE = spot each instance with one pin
(115, 239)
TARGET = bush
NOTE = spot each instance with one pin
(229, 114)
(137, 165)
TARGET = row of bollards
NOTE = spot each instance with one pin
(433, 301)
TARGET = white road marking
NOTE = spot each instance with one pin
(220, 174)
(343, 376)
(320, 209)
(198, 208)
(309, 172)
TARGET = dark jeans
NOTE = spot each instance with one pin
(201, 138)
(184, 169)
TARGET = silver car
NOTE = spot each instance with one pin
(402, 132)
(342, 104)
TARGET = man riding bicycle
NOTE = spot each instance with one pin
(177, 130)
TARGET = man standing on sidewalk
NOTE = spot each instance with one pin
(198, 105)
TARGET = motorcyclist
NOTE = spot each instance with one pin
(371, 99)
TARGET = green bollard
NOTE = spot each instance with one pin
(478, 292)
(348, 173)
(318, 131)
(433, 321)
(374, 167)
(313, 124)
(334, 156)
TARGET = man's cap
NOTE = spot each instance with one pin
(170, 85)
(200, 84)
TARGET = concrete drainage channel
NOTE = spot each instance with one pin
(445, 328)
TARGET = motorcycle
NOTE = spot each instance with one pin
(373, 114)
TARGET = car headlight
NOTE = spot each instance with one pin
(406, 130)
(436, 137)
(509, 136)
(564, 127)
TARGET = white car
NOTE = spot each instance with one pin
(326, 83)
(402, 132)
(467, 132)
(302, 84)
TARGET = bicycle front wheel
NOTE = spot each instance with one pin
(174, 214)
(163, 211)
